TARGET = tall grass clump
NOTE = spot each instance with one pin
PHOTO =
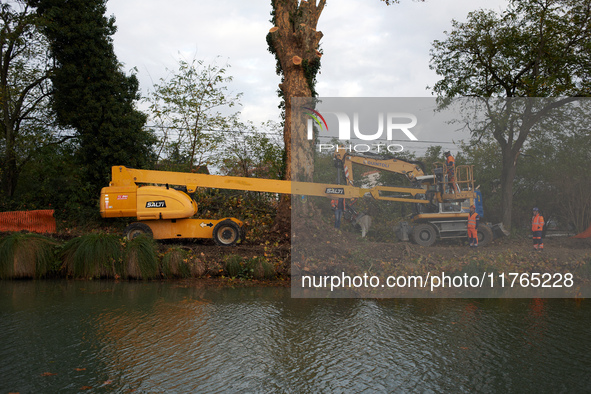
(140, 260)
(261, 268)
(174, 263)
(26, 255)
(92, 255)
(235, 267)
(254, 268)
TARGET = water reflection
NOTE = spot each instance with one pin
(169, 337)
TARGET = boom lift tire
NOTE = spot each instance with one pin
(226, 233)
(424, 234)
(485, 235)
(136, 229)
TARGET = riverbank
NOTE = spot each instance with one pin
(269, 262)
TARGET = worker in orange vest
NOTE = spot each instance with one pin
(537, 226)
(473, 220)
(451, 171)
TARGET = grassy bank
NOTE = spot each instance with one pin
(102, 255)
(106, 254)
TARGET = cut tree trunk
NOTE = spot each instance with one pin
(295, 40)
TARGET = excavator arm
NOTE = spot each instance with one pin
(414, 171)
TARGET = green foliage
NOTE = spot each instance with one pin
(54, 181)
(174, 263)
(25, 118)
(139, 259)
(532, 49)
(187, 108)
(91, 93)
(254, 154)
(553, 170)
(27, 255)
(234, 266)
(92, 256)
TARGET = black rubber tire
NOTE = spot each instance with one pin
(226, 233)
(485, 235)
(136, 229)
(424, 234)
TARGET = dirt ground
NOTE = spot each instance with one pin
(315, 245)
(319, 247)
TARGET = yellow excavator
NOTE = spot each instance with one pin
(440, 211)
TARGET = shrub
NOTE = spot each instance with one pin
(92, 255)
(261, 268)
(26, 255)
(235, 266)
(174, 263)
(140, 258)
(254, 268)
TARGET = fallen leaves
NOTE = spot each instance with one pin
(48, 374)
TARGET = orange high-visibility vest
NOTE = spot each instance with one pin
(450, 160)
(472, 220)
(537, 223)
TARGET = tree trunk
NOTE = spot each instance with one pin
(9, 168)
(508, 171)
(294, 40)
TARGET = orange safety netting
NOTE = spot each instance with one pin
(40, 221)
(584, 234)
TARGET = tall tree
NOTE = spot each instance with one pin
(92, 95)
(24, 91)
(536, 48)
(295, 42)
(193, 108)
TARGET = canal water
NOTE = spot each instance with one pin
(179, 337)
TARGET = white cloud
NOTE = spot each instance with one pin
(370, 49)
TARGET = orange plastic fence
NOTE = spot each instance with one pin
(40, 221)
(584, 234)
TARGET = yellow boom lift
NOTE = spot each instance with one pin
(164, 212)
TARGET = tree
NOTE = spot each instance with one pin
(295, 42)
(251, 153)
(91, 93)
(536, 48)
(24, 91)
(192, 109)
(554, 169)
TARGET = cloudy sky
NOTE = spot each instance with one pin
(370, 49)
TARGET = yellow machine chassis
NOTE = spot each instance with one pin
(185, 228)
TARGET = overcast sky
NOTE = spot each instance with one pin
(370, 49)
